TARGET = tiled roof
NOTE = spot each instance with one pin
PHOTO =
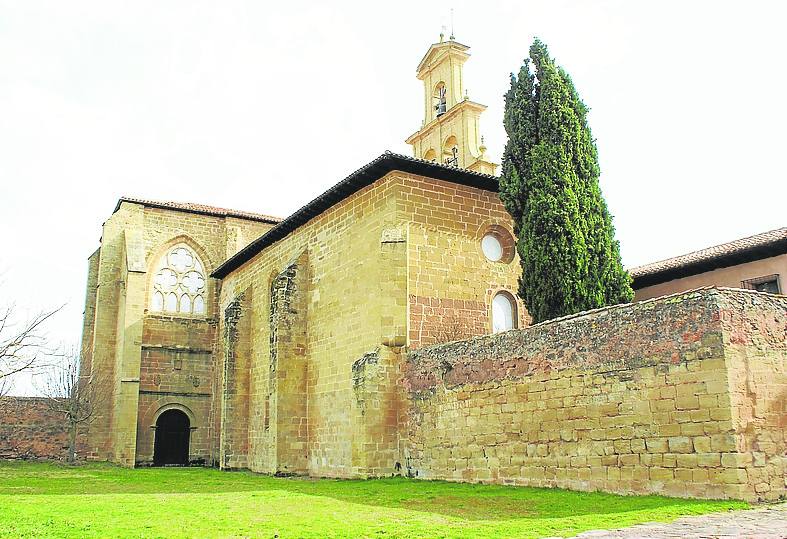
(200, 208)
(754, 247)
(366, 175)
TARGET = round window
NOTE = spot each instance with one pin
(492, 248)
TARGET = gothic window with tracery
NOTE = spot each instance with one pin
(179, 283)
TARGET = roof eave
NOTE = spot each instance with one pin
(359, 179)
(742, 256)
(238, 215)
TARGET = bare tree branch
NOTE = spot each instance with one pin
(75, 395)
(22, 345)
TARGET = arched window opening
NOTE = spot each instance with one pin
(430, 155)
(199, 305)
(179, 282)
(185, 304)
(440, 99)
(158, 301)
(503, 312)
(451, 152)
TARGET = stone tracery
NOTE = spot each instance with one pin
(179, 282)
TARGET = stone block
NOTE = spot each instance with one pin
(687, 402)
(657, 445)
(702, 444)
(661, 474)
(680, 444)
(723, 442)
(733, 475)
(687, 460)
(708, 460)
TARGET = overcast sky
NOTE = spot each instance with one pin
(261, 106)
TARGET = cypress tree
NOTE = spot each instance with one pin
(565, 238)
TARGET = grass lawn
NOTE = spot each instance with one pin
(100, 500)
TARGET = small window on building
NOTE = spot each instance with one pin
(503, 312)
(498, 244)
(768, 283)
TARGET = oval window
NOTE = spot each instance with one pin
(503, 313)
(492, 248)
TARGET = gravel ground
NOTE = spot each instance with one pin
(767, 522)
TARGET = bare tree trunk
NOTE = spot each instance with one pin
(72, 441)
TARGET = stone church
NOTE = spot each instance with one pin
(245, 341)
(335, 342)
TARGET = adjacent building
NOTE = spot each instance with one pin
(758, 262)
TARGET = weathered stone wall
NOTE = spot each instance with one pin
(755, 342)
(234, 449)
(30, 429)
(333, 313)
(683, 395)
(287, 391)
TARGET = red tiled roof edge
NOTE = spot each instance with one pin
(732, 248)
(200, 208)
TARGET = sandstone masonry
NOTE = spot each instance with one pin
(30, 429)
(684, 395)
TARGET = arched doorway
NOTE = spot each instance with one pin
(171, 445)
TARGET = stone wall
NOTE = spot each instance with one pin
(329, 319)
(318, 306)
(755, 331)
(683, 395)
(287, 392)
(29, 429)
(450, 281)
(234, 450)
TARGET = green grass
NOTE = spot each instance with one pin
(100, 500)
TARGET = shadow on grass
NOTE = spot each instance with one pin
(461, 500)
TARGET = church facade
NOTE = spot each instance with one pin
(245, 341)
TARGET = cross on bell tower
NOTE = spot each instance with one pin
(453, 161)
(450, 130)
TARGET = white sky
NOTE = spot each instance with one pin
(261, 106)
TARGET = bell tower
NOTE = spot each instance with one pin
(450, 130)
